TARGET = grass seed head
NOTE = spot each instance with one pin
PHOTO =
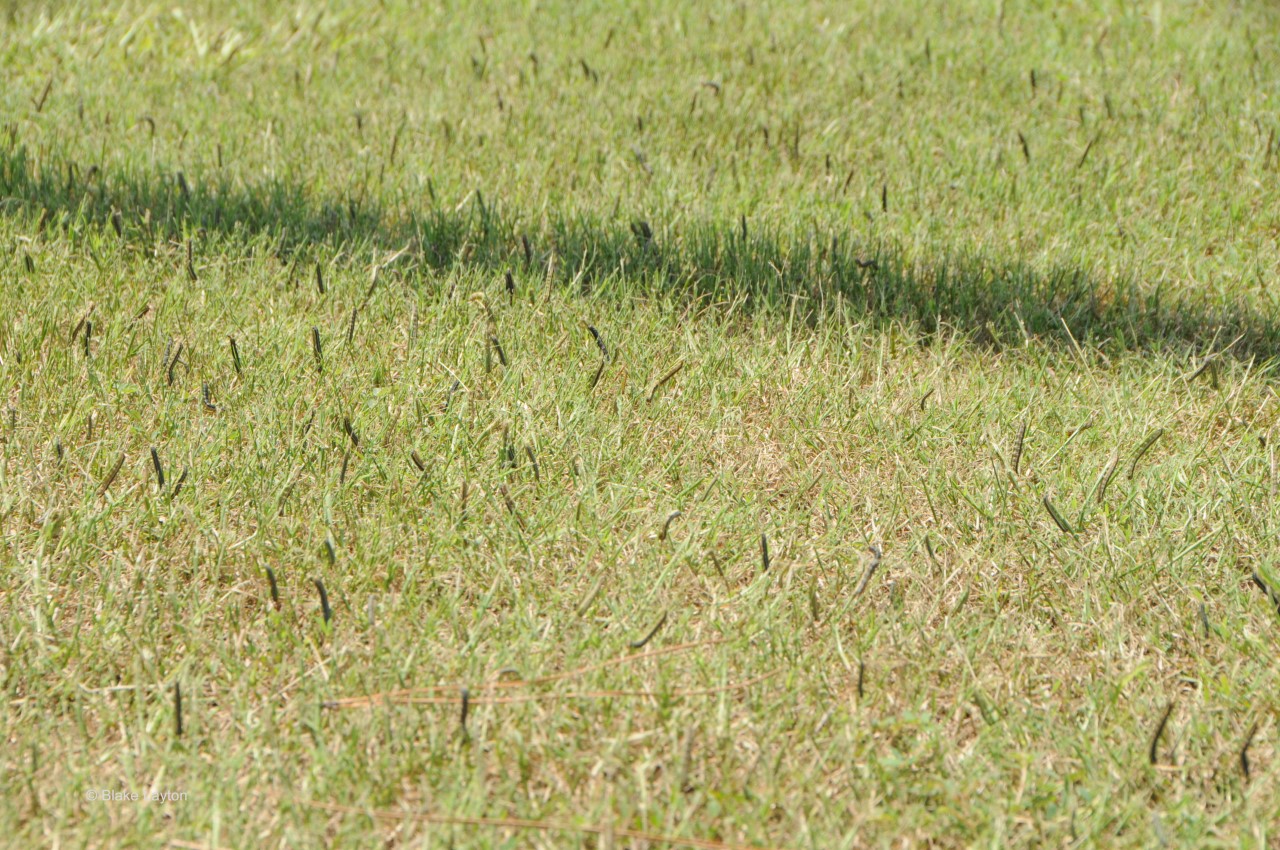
(325, 610)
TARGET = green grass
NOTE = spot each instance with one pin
(1018, 337)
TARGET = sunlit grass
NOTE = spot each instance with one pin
(797, 427)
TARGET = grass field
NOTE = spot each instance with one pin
(638, 425)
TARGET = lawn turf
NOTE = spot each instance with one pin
(817, 425)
